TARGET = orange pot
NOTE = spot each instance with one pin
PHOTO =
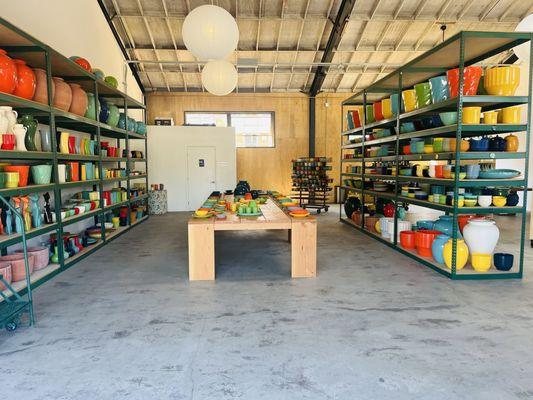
(74, 171)
(62, 95)
(423, 240)
(26, 81)
(407, 239)
(41, 88)
(23, 171)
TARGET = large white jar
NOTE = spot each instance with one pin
(481, 235)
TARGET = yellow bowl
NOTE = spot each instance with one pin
(490, 117)
(201, 213)
(499, 201)
(481, 262)
(471, 115)
(386, 108)
(502, 81)
(511, 115)
(409, 100)
(470, 202)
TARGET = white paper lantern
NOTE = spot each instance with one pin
(219, 77)
(526, 25)
(210, 32)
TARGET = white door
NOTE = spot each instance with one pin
(201, 174)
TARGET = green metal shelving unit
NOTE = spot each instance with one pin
(38, 55)
(459, 51)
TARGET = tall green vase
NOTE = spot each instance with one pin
(91, 107)
(31, 124)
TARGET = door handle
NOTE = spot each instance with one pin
(212, 181)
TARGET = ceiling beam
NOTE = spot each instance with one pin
(299, 39)
(283, 3)
(169, 28)
(345, 9)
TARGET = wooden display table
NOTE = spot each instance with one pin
(302, 234)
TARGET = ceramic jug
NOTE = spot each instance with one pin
(31, 126)
(19, 131)
(11, 116)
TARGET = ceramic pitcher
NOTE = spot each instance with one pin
(11, 116)
(19, 131)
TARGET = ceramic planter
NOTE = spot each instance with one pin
(5, 271)
(424, 239)
(63, 94)
(439, 89)
(386, 108)
(461, 256)
(41, 257)
(409, 100)
(41, 87)
(502, 81)
(18, 267)
(80, 100)
(503, 261)
(41, 174)
(471, 77)
(471, 115)
(423, 94)
(394, 100)
(11, 179)
(63, 142)
(511, 115)
(445, 225)
(22, 170)
(481, 235)
(8, 73)
(481, 262)
(437, 247)
(26, 82)
(378, 111)
(407, 239)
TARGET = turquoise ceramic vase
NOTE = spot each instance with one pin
(114, 114)
(122, 121)
(437, 247)
(91, 107)
(445, 225)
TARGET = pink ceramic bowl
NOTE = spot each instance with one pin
(17, 265)
(41, 257)
(5, 271)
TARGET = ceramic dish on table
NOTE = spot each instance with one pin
(256, 214)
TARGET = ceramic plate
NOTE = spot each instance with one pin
(299, 215)
(257, 214)
(499, 174)
(208, 215)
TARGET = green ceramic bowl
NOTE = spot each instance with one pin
(448, 118)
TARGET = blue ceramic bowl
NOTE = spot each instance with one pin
(425, 224)
(439, 89)
(407, 127)
(503, 261)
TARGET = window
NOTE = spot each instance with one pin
(252, 129)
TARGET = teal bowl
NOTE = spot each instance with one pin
(448, 118)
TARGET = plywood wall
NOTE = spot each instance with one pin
(267, 168)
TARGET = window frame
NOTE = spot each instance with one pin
(228, 117)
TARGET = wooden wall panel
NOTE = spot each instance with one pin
(264, 168)
(268, 168)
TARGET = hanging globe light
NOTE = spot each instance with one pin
(219, 77)
(522, 50)
(210, 32)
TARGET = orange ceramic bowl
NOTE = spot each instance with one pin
(23, 171)
(299, 212)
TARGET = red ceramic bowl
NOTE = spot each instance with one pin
(423, 240)
(472, 75)
(23, 171)
(82, 62)
(378, 111)
(407, 239)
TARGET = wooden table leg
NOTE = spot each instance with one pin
(303, 249)
(201, 252)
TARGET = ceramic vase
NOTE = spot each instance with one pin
(63, 143)
(461, 256)
(91, 106)
(511, 143)
(80, 101)
(41, 88)
(26, 82)
(62, 173)
(55, 256)
(445, 225)
(481, 235)
(437, 248)
(31, 129)
(46, 144)
(62, 95)
(103, 115)
(19, 131)
(114, 114)
(8, 73)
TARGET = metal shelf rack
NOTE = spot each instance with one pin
(459, 51)
(19, 44)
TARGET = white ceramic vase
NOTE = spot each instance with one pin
(481, 236)
(19, 131)
(62, 172)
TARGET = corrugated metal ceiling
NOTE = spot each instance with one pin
(288, 36)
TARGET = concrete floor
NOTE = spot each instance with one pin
(126, 323)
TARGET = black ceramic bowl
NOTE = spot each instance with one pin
(503, 261)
